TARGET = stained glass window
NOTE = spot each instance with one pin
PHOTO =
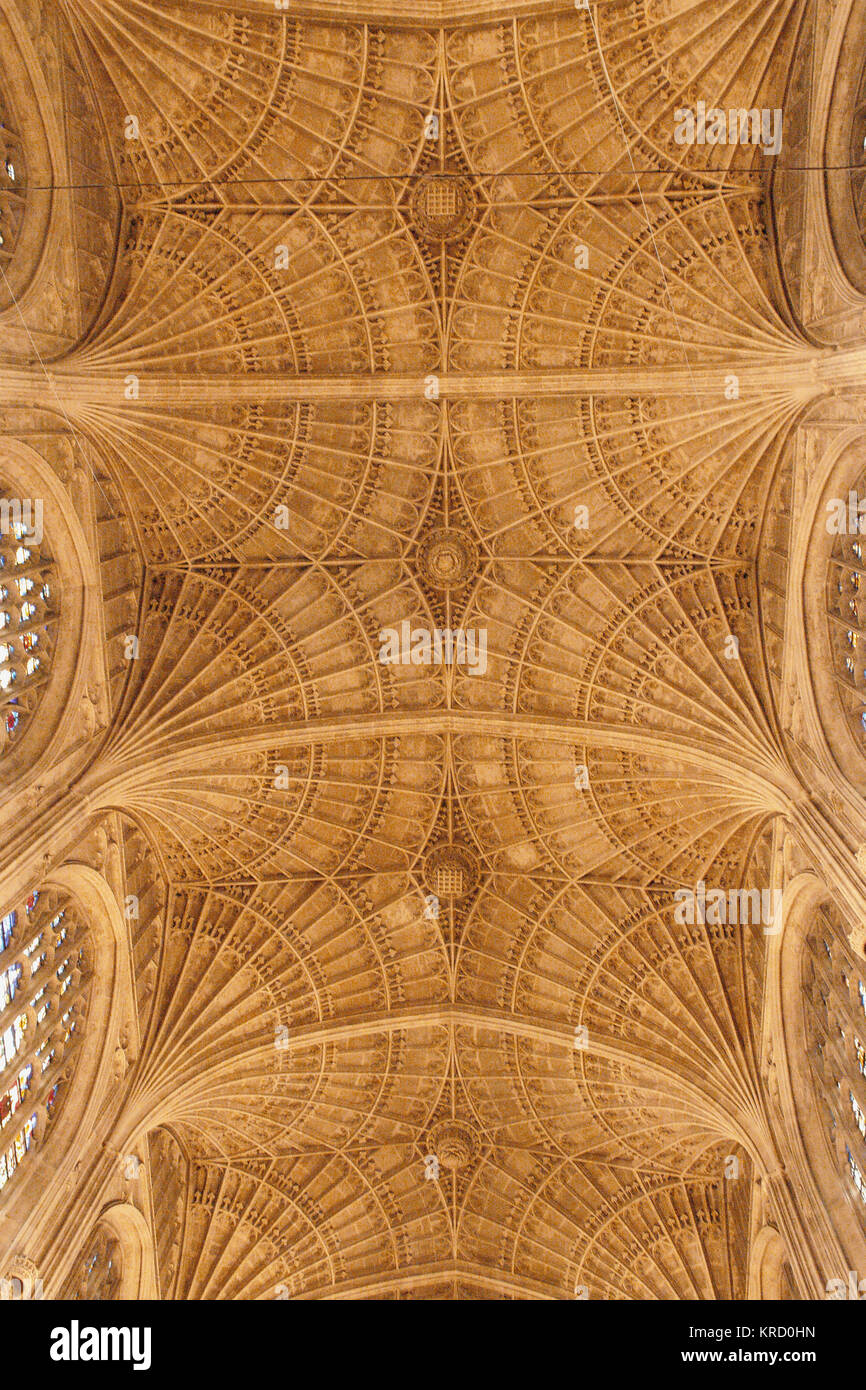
(846, 613)
(835, 999)
(44, 984)
(856, 1173)
(12, 183)
(11, 1156)
(27, 611)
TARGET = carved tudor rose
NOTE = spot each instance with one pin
(447, 558)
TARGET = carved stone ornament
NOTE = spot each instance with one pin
(447, 558)
(454, 1143)
(443, 207)
(451, 871)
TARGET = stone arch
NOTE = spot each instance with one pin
(819, 1173)
(138, 1279)
(39, 238)
(53, 1165)
(845, 126)
(766, 1265)
(836, 473)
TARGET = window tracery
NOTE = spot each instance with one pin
(846, 613)
(834, 985)
(858, 155)
(28, 615)
(44, 986)
(97, 1273)
(12, 182)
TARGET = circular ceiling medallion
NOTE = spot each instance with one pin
(443, 206)
(447, 558)
(453, 1142)
(451, 871)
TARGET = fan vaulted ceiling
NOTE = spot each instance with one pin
(395, 298)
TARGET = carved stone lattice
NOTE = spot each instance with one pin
(443, 207)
